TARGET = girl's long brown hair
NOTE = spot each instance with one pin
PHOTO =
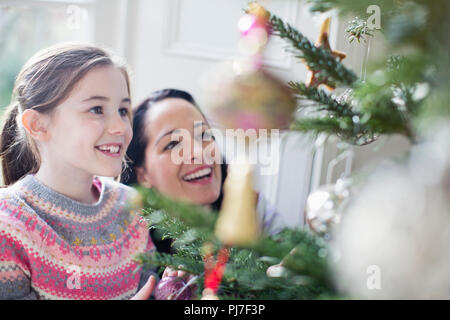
(44, 82)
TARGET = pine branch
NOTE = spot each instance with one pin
(187, 240)
(316, 58)
(300, 250)
(381, 110)
(324, 99)
(191, 215)
(404, 23)
(384, 115)
(357, 8)
(158, 259)
(317, 125)
(245, 275)
(170, 227)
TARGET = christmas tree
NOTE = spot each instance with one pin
(303, 273)
(395, 96)
(405, 92)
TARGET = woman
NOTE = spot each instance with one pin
(170, 135)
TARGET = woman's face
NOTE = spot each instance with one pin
(181, 157)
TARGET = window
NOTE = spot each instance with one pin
(27, 26)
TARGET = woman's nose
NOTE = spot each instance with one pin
(197, 152)
(211, 154)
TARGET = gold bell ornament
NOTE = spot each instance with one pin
(238, 223)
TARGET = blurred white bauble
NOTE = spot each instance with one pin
(393, 242)
(277, 271)
(324, 206)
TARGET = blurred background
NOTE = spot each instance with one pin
(172, 43)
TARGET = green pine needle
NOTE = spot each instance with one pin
(316, 58)
(245, 274)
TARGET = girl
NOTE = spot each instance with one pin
(64, 233)
(198, 179)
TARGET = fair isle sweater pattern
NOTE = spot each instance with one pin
(52, 247)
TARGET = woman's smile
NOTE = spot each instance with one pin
(202, 175)
(197, 178)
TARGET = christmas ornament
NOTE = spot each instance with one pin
(254, 100)
(258, 11)
(324, 206)
(168, 288)
(277, 271)
(357, 29)
(314, 78)
(241, 94)
(213, 270)
(208, 294)
(393, 239)
(357, 137)
(237, 224)
(281, 269)
(254, 27)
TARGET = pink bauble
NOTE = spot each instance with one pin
(168, 288)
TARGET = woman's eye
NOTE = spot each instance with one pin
(206, 135)
(171, 145)
(124, 112)
(96, 110)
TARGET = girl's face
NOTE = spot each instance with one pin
(181, 156)
(91, 130)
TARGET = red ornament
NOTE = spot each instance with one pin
(214, 270)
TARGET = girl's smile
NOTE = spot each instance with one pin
(111, 149)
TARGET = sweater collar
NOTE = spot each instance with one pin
(31, 184)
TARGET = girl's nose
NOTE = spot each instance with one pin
(116, 125)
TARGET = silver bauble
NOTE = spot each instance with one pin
(324, 206)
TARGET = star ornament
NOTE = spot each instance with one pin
(313, 79)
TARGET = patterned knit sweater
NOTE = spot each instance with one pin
(53, 247)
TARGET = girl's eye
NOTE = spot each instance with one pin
(96, 110)
(124, 112)
(172, 144)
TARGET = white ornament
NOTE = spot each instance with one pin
(393, 239)
(324, 206)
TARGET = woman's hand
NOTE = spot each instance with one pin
(146, 290)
